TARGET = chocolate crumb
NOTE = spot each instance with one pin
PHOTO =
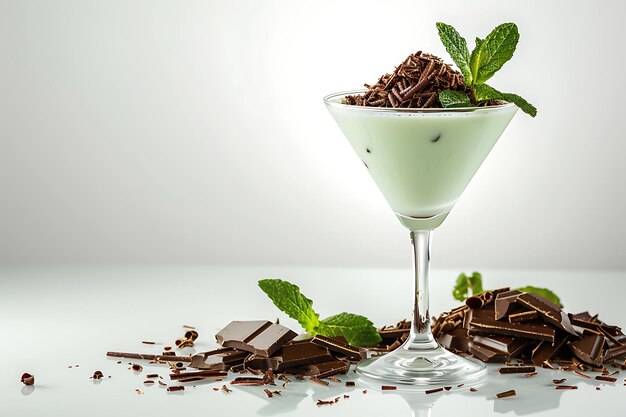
(530, 374)
(447, 388)
(146, 342)
(346, 396)
(388, 387)
(215, 389)
(364, 391)
(148, 382)
(433, 391)
(226, 389)
(473, 389)
(27, 379)
(559, 381)
(152, 376)
(506, 394)
(97, 375)
(166, 348)
(138, 392)
(136, 367)
(598, 388)
(268, 393)
(350, 383)
(176, 388)
(564, 387)
(321, 402)
(606, 378)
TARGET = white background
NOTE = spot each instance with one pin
(194, 133)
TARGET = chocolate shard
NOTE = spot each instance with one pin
(297, 354)
(615, 352)
(509, 346)
(588, 349)
(248, 381)
(322, 369)
(505, 303)
(490, 327)
(261, 363)
(219, 359)
(486, 354)
(545, 351)
(262, 338)
(197, 375)
(339, 347)
(457, 340)
(487, 312)
(549, 311)
(516, 369)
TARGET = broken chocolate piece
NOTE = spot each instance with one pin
(489, 327)
(509, 346)
(523, 316)
(262, 338)
(27, 379)
(456, 339)
(545, 351)
(486, 354)
(221, 359)
(505, 303)
(549, 311)
(339, 347)
(323, 369)
(588, 349)
(294, 355)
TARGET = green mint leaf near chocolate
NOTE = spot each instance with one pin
(457, 48)
(544, 292)
(492, 53)
(483, 93)
(465, 284)
(453, 98)
(358, 330)
(287, 297)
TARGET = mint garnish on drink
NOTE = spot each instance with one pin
(488, 56)
(357, 330)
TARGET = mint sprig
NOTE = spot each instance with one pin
(488, 56)
(358, 330)
(467, 286)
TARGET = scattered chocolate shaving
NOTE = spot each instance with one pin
(506, 394)
(27, 379)
(197, 374)
(530, 374)
(136, 367)
(247, 381)
(473, 389)
(364, 391)
(581, 374)
(162, 383)
(388, 387)
(97, 375)
(516, 369)
(148, 382)
(268, 393)
(152, 376)
(319, 381)
(138, 392)
(350, 383)
(147, 357)
(146, 342)
(566, 387)
(433, 391)
(447, 388)
(559, 381)
(176, 388)
(321, 402)
(606, 378)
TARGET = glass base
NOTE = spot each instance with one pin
(423, 368)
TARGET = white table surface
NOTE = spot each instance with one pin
(51, 318)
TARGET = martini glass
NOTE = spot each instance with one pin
(421, 160)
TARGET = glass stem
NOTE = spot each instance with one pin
(421, 336)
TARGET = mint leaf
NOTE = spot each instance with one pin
(474, 59)
(464, 284)
(457, 48)
(491, 54)
(453, 98)
(357, 330)
(287, 297)
(544, 292)
(484, 92)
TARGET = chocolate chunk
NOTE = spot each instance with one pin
(615, 352)
(340, 347)
(588, 349)
(505, 303)
(261, 363)
(262, 338)
(323, 369)
(219, 359)
(27, 379)
(489, 327)
(516, 369)
(486, 354)
(294, 355)
(545, 351)
(509, 346)
(523, 316)
(487, 312)
(549, 311)
(456, 339)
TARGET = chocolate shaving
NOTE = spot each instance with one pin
(565, 387)
(176, 388)
(415, 83)
(97, 375)
(433, 391)
(516, 369)
(388, 387)
(506, 394)
(606, 378)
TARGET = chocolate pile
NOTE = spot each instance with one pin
(500, 325)
(416, 83)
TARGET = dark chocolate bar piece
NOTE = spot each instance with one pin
(505, 303)
(545, 351)
(549, 311)
(456, 339)
(509, 346)
(523, 316)
(262, 338)
(588, 349)
(615, 352)
(219, 359)
(486, 354)
(339, 347)
(298, 354)
(489, 327)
